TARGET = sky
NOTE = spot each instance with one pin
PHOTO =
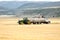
(31, 0)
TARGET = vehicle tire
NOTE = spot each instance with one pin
(20, 22)
(49, 22)
(26, 22)
(34, 22)
(45, 22)
(38, 23)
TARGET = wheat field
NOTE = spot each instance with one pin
(11, 30)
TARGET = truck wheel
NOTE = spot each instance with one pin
(49, 22)
(45, 22)
(37, 22)
(34, 22)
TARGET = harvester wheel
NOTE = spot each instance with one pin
(20, 22)
(29, 22)
(26, 22)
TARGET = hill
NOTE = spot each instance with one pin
(25, 8)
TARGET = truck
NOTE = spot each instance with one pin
(34, 20)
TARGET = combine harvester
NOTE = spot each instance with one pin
(34, 20)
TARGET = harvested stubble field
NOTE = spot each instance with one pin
(10, 30)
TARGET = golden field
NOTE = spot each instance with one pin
(10, 30)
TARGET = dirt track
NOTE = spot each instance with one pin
(10, 30)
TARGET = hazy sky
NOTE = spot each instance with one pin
(31, 0)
